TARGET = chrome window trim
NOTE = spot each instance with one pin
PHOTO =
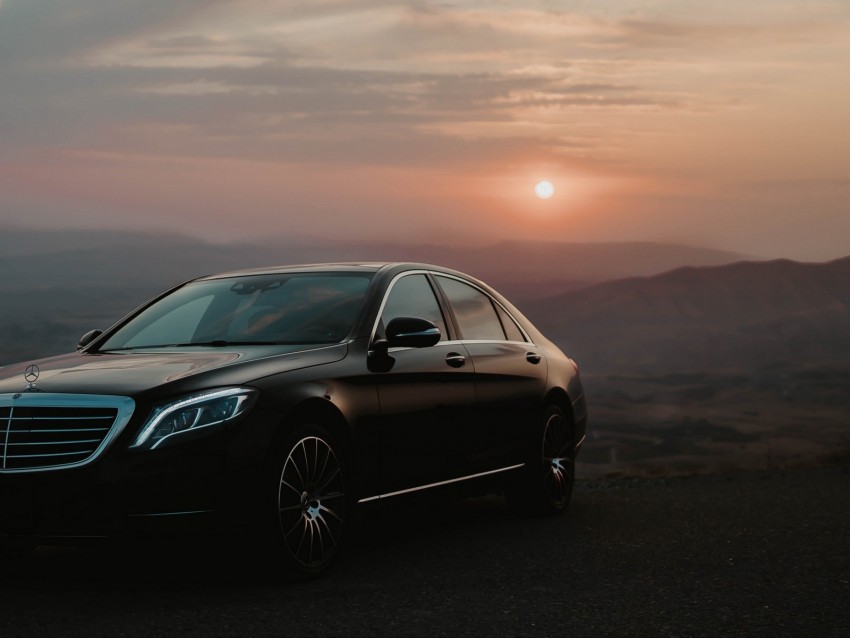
(124, 405)
(457, 343)
(435, 274)
(440, 483)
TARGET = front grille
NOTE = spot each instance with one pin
(50, 431)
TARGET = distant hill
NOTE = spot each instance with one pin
(738, 316)
(45, 258)
(527, 269)
(691, 358)
(57, 285)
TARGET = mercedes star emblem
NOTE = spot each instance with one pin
(31, 374)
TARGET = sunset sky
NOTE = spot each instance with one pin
(723, 124)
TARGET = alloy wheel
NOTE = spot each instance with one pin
(311, 502)
(558, 459)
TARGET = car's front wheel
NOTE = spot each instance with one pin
(309, 500)
(545, 484)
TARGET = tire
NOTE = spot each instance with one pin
(545, 485)
(309, 502)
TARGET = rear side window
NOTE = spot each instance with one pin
(475, 314)
(511, 329)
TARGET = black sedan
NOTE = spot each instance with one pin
(280, 400)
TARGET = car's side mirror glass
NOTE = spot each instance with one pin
(87, 338)
(411, 332)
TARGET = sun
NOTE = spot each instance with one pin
(544, 189)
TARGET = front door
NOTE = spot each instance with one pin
(425, 395)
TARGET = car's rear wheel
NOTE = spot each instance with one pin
(309, 500)
(545, 484)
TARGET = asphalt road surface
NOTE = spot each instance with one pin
(746, 554)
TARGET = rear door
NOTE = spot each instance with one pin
(510, 377)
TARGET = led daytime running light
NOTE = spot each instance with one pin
(162, 413)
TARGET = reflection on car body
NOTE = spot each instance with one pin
(282, 399)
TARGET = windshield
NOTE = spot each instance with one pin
(314, 308)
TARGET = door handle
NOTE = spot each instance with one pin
(532, 357)
(455, 360)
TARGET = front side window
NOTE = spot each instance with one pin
(259, 309)
(475, 314)
(412, 296)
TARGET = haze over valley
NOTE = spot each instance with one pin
(715, 367)
(693, 359)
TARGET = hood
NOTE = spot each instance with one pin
(136, 372)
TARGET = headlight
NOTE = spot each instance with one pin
(193, 412)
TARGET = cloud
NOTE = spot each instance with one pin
(56, 30)
(663, 90)
(265, 71)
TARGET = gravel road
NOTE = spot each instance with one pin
(751, 553)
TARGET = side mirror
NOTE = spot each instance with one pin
(87, 338)
(410, 332)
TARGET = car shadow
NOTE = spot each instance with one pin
(393, 536)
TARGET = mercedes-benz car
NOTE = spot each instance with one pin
(280, 400)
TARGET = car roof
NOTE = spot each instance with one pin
(370, 267)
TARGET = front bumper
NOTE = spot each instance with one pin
(207, 484)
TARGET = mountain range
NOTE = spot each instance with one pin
(617, 307)
(49, 258)
(57, 285)
(747, 315)
(691, 357)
